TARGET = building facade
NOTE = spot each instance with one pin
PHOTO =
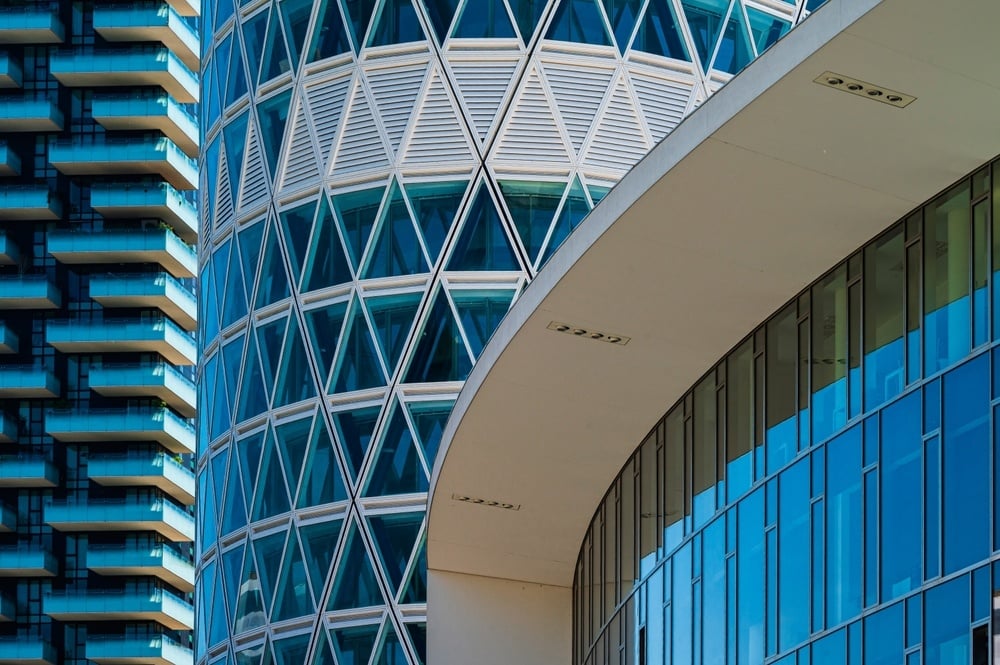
(98, 148)
(381, 180)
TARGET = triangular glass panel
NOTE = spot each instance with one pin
(396, 23)
(418, 638)
(272, 495)
(358, 366)
(295, 378)
(295, 15)
(326, 263)
(597, 192)
(249, 449)
(273, 115)
(250, 611)
(397, 468)
(766, 28)
(393, 317)
(659, 32)
(250, 239)
(527, 13)
(329, 36)
(734, 48)
(254, 33)
(273, 283)
(268, 553)
(235, 138)
(236, 298)
(355, 584)
(435, 204)
(575, 208)
(323, 655)
(483, 244)
(396, 249)
(220, 263)
(484, 19)
(276, 60)
(232, 562)
(219, 465)
(296, 225)
(319, 542)
(208, 308)
(440, 354)
(222, 13)
(253, 396)
(579, 21)
(206, 607)
(705, 19)
(354, 645)
(480, 312)
(321, 481)
(292, 598)
(291, 650)
(532, 205)
(623, 15)
(216, 181)
(206, 532)
(270, 336)
(215, 410)
(293, 439)
(415, 590)
(357, 211)
(360, 13)
(441, 12)
(214, 77)
(429, 419)
(395, 534)
(232, 357)
(236, 84)
(390, 651)
(354, 430)
(324, 325)
(234, 510)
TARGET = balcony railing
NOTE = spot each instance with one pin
(27, 650)
(27, 381)
(158, 290)
(28, 202)
(110, 155)
(133, 559)
(126, 66)
(153, 514)
(159, 246)
(8, 428)
(8, 339)
(146, 335)
(157, 650)
(152, 424)
(27, 471)
(10, 254)
(154, 112)
(99, 605)
(27, 561)
(133, 200)
(150, 22)
(10, 163)
(24, 114)
(28, 292)
(10, 71)
(27, 24)
(148, 469)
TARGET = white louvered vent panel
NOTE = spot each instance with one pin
(224, 204)
(326, 105)
(483, 87)
(254, 189)
(618, 142)
(531, 133)
(578, 92)
(395, 90)
(663, 102)
(300, 162)
(437, 133)
(360, 146)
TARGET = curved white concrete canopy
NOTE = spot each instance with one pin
(774, 180)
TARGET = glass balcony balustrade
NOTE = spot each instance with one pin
(8, 339)
(27, 471)
(156, 201)
(10, 163)
(123, 67)
(10, 254)
(140, 424)
(27, 560)
(159, 246)
(8, 428)
(27, 650)
(28, 292)
(150, 22)
(27, 381)
(150, 514)
(143, 469)
(8, 520)
(30, 24)
(132, 559)
(23, 114)
(28, 202)
(154, 155)
(146, 335)
(156, 605)
(154, 112)
(156, 650)
(158, 290)
(8, 609)
(10, 71)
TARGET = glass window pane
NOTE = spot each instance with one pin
(884, 637)
(946, 279)
(829, 354)
(946, 622)
(793, 556)
(782, 361)
(704, 449)
(884, 299)
(843, 535)
(673, 484)
(901, 491)
(739, 419)
(750, 582)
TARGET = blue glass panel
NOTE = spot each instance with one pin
(418, 638)
(429, 418)
(480, 312)
(484, 19)
(932, 406)
(210, 85)
(393, 317)
(270, 336)
(396, 250)
(235, 298)
(843, 535)
(321, 482)
(932, 508)
(396, 534)
(354, 645)
(390, 651)
(273, 114)
(359, 12)
(329, 37)
(750, 582)
(219, 466)
(292, 439)
(440, 13)
(250, 611)
(440, 354)
(268, 556)
(871, 538)
(223, 13)
(734, 48)
(794, 562)
(326, 264)
(249, 450)
(579, 21)
(483, 244)
(354, 431)
(683, 607)
(946, 242)
(296, 225)
(358, 367)
(946, 623)
(295, 17)
(355, 584)
(292, 598)
(250, 239)
(966, 462)
(435, 205)
(273, 283)
(902, 526)
(272, 495)
(236, 85)
(714, 593)
(527, 13)
(235, 137)
(532, 205)
(817, 571)
(294, 382)
(324, 325)
(829, 354)
(766, 28)
(573, 211)
(291, 650)
(232, 562)
(253, 396)
(254, 33)
(705, 19)
(831, 650)
(357, 211)
(276, 59)
(782, 368)
(981, 593)
(234, 509)
(914, 617)
(623, 15)
(660, 34)
(323, 654)
(397, 467)
(211, 169)
(415, 590)
(396, 23)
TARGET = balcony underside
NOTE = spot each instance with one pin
(182, 582)
(184, 495)
(166, 530)
(162, 347)
(184, 222)
(162, 123)
(164, 33)
(182, 315)
(163, 78)
(159, 617)
(164, 168)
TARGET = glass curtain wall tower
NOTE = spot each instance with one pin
(380, 179)
(98, 147)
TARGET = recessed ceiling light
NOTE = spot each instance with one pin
(492, 503)
(862, 89)
(620, 340)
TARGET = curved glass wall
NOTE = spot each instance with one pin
(380, 180)
(827, 493)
